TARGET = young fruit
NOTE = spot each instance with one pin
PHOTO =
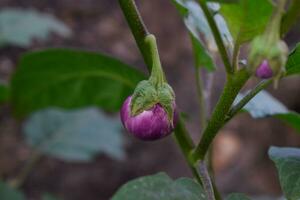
(264, 71)
(151, 124)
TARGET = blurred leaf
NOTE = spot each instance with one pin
(293, 63)
(264, 105)
(201, 56)
(160, 186)
(4, 93)
(74, 135)
(49, 197)
(246, 19)
(290, 17)
(8, 193)
(287, 161)
(190, 11)
(71, 79)
(19, 27)
(237, 196)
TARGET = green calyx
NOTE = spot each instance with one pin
(155, 90)
(269, 46)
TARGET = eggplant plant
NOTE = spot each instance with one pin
(50, 84)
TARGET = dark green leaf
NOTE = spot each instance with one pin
(287, 161)
(237, 196)
(71, 79)
(293, 63)
(158, 187)
(246, 19)
(4, 93)
(19, 27)
(74, 135)
(8, 193)
(264, 105)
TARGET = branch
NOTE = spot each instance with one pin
(137, 27)
(230, 91)
(235, 109)
(217, 36)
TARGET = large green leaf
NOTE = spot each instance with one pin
(264, 105)
(287, 161)
(246, 19)
(76, 135)
(70, 79)
(237, 196)
(293, 63)
(8, 193)
(19, 27)
(158, 187)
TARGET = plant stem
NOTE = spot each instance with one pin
(201, 98)
(217, 36)
(137, 27)
(186, 145)
(235, 109)
(290, 17)
(230, 91)
(21, 177)
(235, 56)
(207, 183)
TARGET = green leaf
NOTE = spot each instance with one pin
(196, 24)
(4, 93)
(245, 19)
(237, 196)
(8, 193)
(19, 27)
(264, 105)
(225, 1)
(287, 161)
(76, 135)
(71, 79)
(160, 186)
(293, 62)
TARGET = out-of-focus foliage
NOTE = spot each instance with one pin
(293, 63)
(76, 135)
(8, 193)
(160, 186)
(71, 79)
(4, 93)
(264, 105)
(18, 27)
(287, 161)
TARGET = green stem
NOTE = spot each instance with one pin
(207, 183)
(21, 177)
(137, 27)
(157, 73)
(290, 17)
(230, 91)
(186, 145)
(217, 36)
(235, 109)
(235, 56)
(201, 98)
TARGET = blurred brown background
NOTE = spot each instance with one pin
(240, 150)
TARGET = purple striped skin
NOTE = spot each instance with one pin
(264, 70)
(149, 125)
